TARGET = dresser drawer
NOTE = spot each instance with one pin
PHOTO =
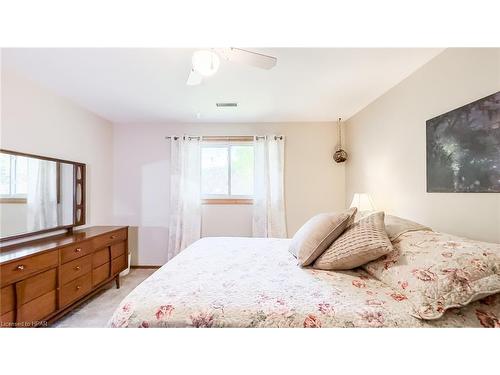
(36, 286)
(118, 264)
(38, 309)
(7, 299)
(75, 268)
(117, 250)
(100, 274)
(75, 289)
(100, 257)
(69, 253)
(18, 270)
(110, 238)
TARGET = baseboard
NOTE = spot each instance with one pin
(144, 267)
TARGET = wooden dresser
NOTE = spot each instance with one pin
(44, 279)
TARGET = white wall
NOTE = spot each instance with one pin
(34, 120)
(226, 220)
(313, 182)
(13, 218)
(386, 142)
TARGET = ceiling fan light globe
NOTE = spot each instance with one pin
(206, 62)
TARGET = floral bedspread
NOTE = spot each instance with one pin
(438, 271)
(255, 282)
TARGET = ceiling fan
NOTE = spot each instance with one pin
(205, 63)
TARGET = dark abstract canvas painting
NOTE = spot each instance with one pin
(463, 148)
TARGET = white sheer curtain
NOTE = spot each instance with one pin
(42, 195)
(269, 201)
(185, 195)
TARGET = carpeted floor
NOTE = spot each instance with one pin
(98, 310)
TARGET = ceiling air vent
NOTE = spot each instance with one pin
(220, 105)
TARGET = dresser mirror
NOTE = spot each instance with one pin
(39, 194)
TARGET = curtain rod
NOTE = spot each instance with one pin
(222, 137)
(183, 136)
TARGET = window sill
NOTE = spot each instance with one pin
(233, 201)
(13, 200)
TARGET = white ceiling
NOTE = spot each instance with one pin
(148, 85)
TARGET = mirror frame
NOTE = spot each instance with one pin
(77, 181)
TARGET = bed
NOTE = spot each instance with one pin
(255, 282)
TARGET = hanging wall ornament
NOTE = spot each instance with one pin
(340, 155)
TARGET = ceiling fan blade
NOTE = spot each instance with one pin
(248, 57)
(194, 78)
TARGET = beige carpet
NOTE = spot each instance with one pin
(98, 310)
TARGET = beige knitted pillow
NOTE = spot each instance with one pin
(362, 242)
(318, 233)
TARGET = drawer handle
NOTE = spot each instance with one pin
(77, 268)
(78, 287)
(113, 236)
(21, 267)
(78, 249)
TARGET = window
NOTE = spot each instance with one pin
(13, 177)
(227, 171)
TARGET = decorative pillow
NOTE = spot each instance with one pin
(318, 233)
(396, 226)
(362, 242)
(438, 271)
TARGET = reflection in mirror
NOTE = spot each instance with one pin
(35, 194)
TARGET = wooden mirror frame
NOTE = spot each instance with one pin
(79, 181)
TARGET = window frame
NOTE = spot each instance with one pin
(230, 199)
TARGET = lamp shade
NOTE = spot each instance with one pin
(362, 202)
